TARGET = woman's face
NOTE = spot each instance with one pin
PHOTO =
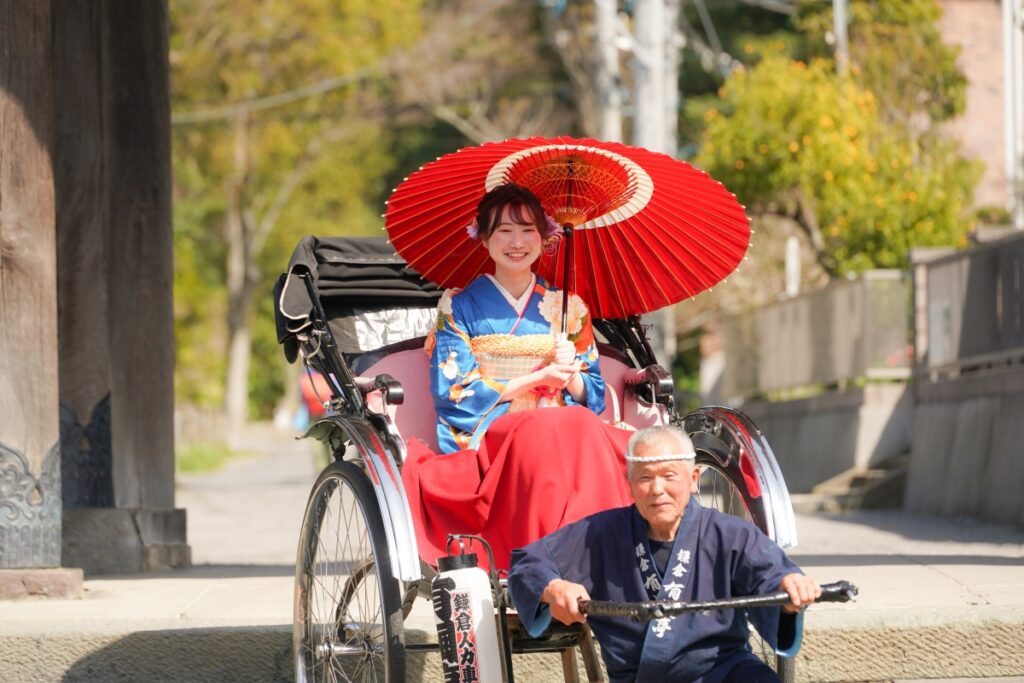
(513, 245)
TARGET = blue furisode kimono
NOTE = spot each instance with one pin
(483, 338)
(714, 556)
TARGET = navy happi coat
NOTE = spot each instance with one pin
(714, 556)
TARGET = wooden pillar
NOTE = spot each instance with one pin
(141, 325)
(113, 182)
(30, 507)
(115, 270)
(85, 190)
(81, 179)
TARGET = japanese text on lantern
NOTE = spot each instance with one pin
(465, 641)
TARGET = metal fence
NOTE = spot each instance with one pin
(975, 307)
(849, 330)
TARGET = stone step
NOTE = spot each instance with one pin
(842, 642)
(880, 487)
(981, 645)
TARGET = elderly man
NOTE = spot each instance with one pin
(664, 547)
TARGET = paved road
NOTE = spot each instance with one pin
(250, 511)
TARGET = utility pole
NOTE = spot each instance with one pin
(673, 45)
(655, 74)
(840, 22)
(1013, 108)
(648, 74)
(609, 95)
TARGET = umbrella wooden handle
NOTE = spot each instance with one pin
(567, 268)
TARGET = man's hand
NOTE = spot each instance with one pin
(563, 599)
(803, 590)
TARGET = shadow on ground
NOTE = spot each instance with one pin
(208, 571)
(190, 656)
(907, 560)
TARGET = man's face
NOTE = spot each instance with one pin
(662, 489)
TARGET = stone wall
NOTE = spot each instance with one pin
(968, 453)
(815, 439)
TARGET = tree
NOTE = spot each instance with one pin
(270, 143)
(286, 127)
(799, 141)
(858, 162)
(484, 69)
(897, 53)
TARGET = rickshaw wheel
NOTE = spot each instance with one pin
(348, 604)
(717, 489)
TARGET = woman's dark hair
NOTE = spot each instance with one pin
(523, 207)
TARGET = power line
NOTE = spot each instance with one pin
(230, 111)
(709, 26)
(774, 5)
(710, 57)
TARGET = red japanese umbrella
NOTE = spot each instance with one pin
(647, 230)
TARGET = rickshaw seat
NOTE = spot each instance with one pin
(416, 418)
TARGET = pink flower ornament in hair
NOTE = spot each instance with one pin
(553, 236)
(553, 227)
(473, 230)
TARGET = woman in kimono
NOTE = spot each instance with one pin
(517, 400)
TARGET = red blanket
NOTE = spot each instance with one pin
(535, 471)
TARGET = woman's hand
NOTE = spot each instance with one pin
(557, 375)
(562, 372)
(565, 350)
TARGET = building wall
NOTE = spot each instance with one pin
(976, 27)
(968, 447)
(815, 439)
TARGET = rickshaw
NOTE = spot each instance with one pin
(355, 313)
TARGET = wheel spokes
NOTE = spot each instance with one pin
(715, 490)
(345, 636)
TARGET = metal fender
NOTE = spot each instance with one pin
(738, 447)
(386, 478)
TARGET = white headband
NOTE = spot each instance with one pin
(689, 455)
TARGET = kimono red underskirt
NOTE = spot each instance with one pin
(535, 472)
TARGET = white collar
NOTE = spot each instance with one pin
(520, 303)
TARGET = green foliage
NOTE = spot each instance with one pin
(686, 372)
(993, 215)
(224, 51)
(199, 299)
(791, 136)
(414, 145)
(855, 160)
(204, 457)
(747, 33)
(896, 52)
(314, 165)
(267, 372)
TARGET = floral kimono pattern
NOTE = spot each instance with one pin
(481, 341)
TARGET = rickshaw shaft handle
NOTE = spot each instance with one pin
(840, 591)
